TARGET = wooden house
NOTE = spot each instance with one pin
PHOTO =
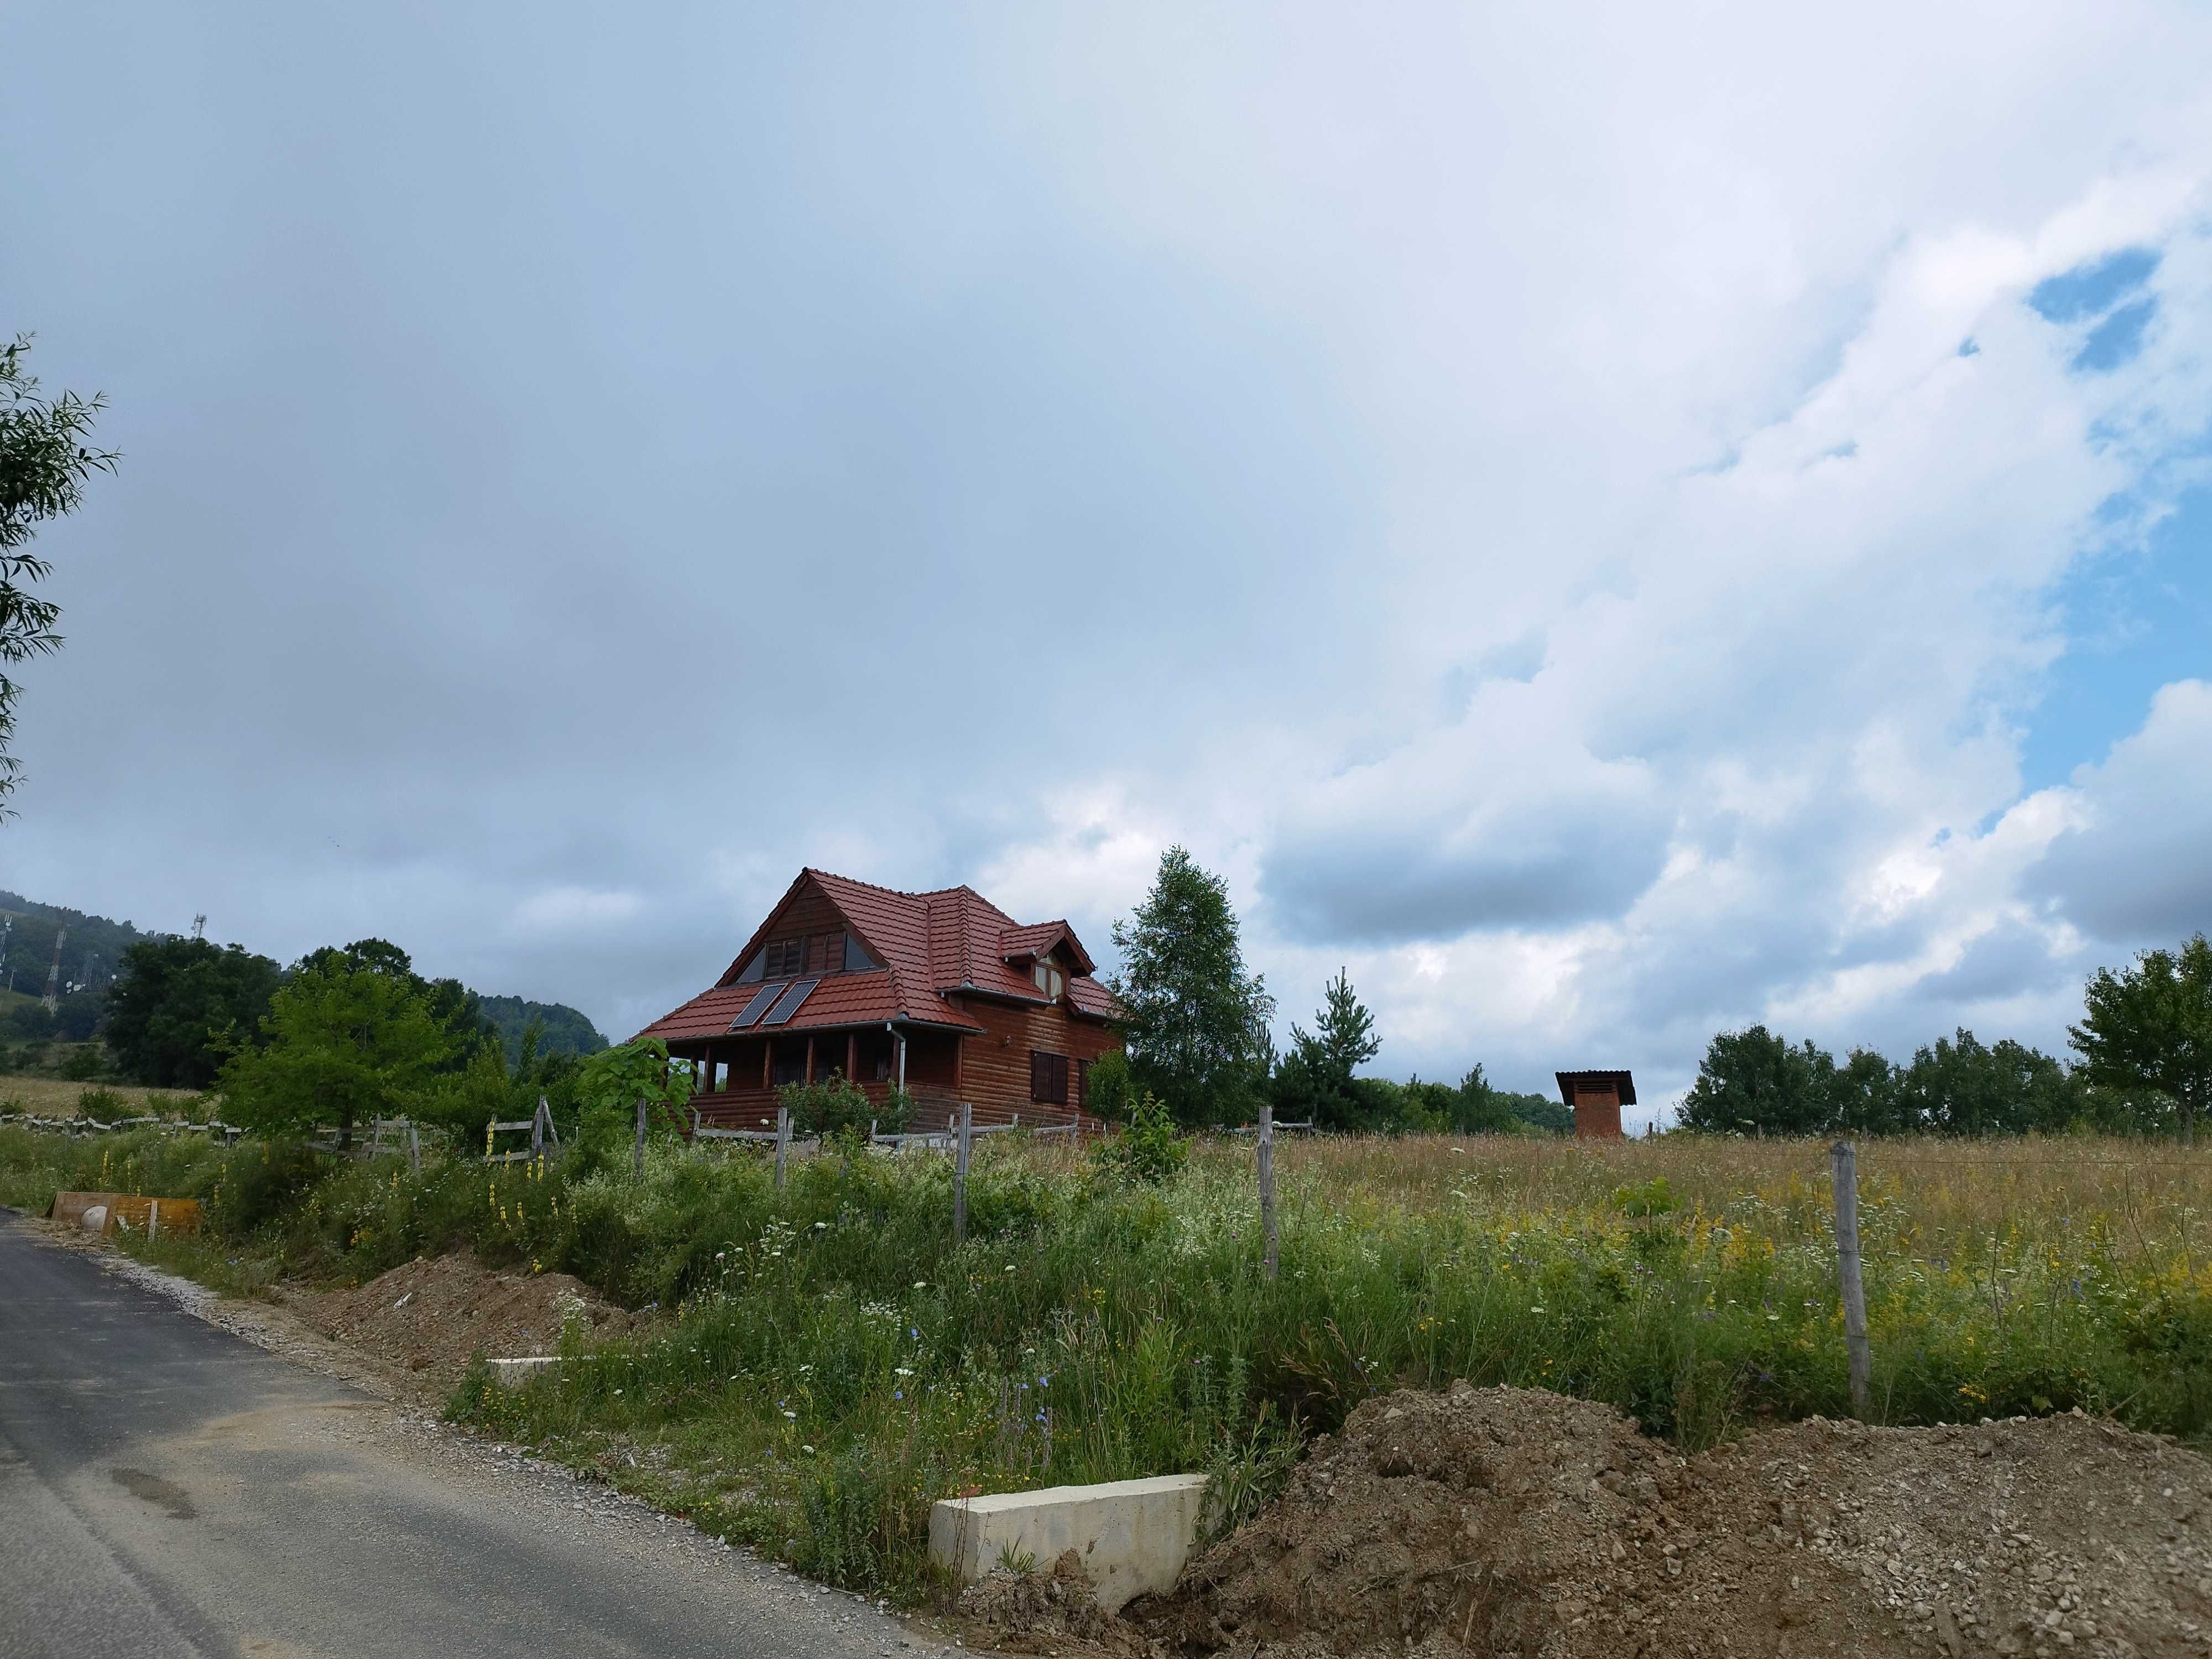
(942, 993)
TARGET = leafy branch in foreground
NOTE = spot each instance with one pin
(44, 464)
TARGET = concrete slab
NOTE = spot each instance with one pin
(1133, 1536)
(514, 1373)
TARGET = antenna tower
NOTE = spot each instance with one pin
(54, 973)
(199, 926)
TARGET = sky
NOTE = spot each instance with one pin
(1609, 524)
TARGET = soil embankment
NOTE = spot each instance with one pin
(429, 1318)
(1503, 1522)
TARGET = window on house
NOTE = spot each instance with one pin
(1047, 1078)
(857, 959)
(787, 959)
(1049, 979)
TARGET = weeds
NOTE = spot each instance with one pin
(835, 1362)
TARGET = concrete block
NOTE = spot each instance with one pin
(514, 1373)
(1132, 1536)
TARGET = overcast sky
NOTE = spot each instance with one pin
(1612, 523)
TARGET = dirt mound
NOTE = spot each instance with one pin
(434, 1317)
(1505, 1521)
(1051, 1611)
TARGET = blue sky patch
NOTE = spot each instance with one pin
(2088, 290)
(2116, 340)
(2135, 621)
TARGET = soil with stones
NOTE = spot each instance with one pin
(434, 1317)
(1507, 1522)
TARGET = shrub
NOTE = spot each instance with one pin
(1106, 1087)
(1149, 1149)
(102, 1105)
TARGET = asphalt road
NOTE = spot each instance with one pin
(169, 1489)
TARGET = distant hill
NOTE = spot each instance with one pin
(91, 952)
(562, 1029)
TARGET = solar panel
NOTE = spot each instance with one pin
(788, 1003)
(757, 1007)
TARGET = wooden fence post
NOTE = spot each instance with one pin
(414, 1148)
(962, 1140)
(1843, 1164)
(1267, 1187)
(637, 1147)
(783, 1142)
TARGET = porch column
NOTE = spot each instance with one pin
(809, 1056)
(767, 1060)
(852, 1057)
(707, 1059)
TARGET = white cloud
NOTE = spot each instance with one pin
(2132, 864)
(1502, 486)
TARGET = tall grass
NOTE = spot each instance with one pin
(833, 1361)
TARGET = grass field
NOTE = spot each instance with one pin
(52, 1096)
(837, 1362)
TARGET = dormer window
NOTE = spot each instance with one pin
(1049, 979)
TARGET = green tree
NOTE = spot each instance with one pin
(181, 1005)
(1477, 1109)
(1314, 1080)
(1962, 1086)
(452, 1004)
(1754, 1080)
(45, 463)
(609, 1084)
(346, 1042)
(488, 1086)
(1196, 1020)
(1866, 1097)
(2149, 1028)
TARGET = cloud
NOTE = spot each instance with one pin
(2132, 869)
(575, 910)
(1541, 535)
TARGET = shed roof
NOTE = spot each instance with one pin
(1620, 1082)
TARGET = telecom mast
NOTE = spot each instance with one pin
(199, 926)
(54, 973)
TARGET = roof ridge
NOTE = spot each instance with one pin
(896, 892)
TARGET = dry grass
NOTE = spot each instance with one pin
(52, 1096)
(1921, 1198)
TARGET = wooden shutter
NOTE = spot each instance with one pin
(1047, 1078)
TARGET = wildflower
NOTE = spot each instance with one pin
(897, 1395)
(819, 1225)
(809, 1450)
(789, 1416)
(902, 1371)
(921, 1284)
(1537, 1309)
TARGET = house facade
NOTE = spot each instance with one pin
(943, 993)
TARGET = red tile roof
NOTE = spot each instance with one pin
(1027, 944)
(952, 939)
